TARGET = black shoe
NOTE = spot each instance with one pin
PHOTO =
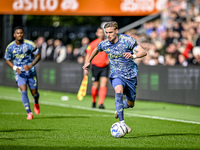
(101, 106)
(93, 105)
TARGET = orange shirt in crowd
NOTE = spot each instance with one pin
(101, 59)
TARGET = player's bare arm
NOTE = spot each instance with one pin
(17, 69)
(140, 52)
(86, 72)
(87, 62)
(35, 61)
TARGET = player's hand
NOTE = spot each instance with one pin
(128, 55)
(27, 67)
(86, 72)
(18, 70)
(86, 66)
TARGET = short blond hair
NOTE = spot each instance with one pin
(111, 24)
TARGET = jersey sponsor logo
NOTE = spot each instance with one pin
(114, 56)
(20, 55)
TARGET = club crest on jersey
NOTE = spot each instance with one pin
(24, 49)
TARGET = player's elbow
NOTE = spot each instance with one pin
(38, 57)
(145, 53)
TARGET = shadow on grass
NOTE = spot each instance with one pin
(19, 130)
(21, 138)
(60, 117)
(149, 109)
(163, 135)
(82, 148)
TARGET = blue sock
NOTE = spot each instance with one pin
(25, 101)
(36, 97)
(125, 104)
(119, 105)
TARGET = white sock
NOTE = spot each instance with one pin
(122, 121)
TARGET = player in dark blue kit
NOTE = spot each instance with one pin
(22, 55)
(121, 50)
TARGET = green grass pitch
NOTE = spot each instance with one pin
(72, 124)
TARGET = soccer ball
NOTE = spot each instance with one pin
(118, 130)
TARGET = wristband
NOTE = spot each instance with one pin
(15, 68)
(134, 56)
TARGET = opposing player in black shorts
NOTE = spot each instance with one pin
(100, 68)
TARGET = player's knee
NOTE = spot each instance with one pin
(118, 90)
(34, 92)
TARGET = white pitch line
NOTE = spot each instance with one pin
(103, 110)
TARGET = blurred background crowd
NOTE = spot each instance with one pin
(172, 39)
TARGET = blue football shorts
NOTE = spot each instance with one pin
(30, 80)
(129, 86)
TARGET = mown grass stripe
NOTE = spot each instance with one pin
(104, 110)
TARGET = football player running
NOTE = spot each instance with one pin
(121, 50)
(22, 55)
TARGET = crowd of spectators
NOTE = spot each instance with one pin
(55, 50)
(172, 39)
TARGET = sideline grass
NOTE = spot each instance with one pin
(70, 128)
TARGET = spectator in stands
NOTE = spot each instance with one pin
(192, 36)
(182, 60)
(144, 60)
(60, 51)
(131, 33)
(198, 34)
(195, 60)
(69, 54)
(163, 39)
(79, 53)
(77, 57)
(149, 27)
(84, 44)
(184, 47)
(50, 50)
(182, 15)
(42, 46)
(172, 49)
(170, 37)
(170, 60)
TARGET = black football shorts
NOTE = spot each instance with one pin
(98, 72)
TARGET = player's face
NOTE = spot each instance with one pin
(112, 34)
(19, 34)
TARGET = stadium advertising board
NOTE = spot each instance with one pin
(83, 7)
(158, 83)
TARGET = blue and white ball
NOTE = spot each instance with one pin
(118, 130)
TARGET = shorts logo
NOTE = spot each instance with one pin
(93, 78)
